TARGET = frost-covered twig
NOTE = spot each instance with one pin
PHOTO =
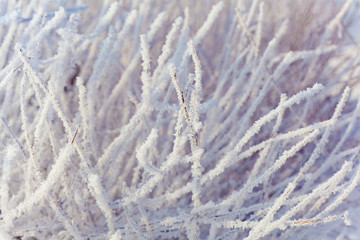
(178, 120)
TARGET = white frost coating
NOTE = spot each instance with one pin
(166, 48)
(179, 120)
(255, 128)
(106, 19)
(143, 153)
(40, 193)
(116, 235)
(101, 200)
(208, 23)
(145, 75)
(8, 162)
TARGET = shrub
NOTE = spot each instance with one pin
(178, 120)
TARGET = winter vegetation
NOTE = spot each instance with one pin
(179, 119)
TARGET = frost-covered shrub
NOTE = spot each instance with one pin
(178, 120)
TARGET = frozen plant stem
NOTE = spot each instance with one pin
(179, 120)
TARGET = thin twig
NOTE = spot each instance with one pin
(187, 117)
